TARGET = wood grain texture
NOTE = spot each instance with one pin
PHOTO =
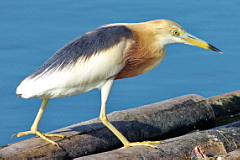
(156, 121)
(214, 143)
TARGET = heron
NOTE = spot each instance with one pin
(98, 58)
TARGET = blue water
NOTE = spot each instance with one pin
(30, 32)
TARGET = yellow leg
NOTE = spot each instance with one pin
(105, 90)
(34, 128)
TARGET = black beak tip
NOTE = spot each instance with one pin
(211, 47)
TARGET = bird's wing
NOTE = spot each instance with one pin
(82, 65)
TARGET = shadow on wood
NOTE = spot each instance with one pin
(213, 142)
(156, 121)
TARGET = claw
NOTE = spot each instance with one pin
(41, 135)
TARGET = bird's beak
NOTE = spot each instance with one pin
(192, 40)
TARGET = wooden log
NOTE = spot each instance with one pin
(234, 155)
(226, 105)
(150, 122)
(198, 145)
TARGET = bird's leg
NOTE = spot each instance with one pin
(105, 90)
(34, 128)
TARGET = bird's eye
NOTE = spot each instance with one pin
(175, 33)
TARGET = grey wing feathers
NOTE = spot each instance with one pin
(85, 46)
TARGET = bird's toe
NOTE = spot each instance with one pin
(145, 143)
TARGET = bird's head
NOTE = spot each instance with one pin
(168, 32)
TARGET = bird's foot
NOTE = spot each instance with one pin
(144, 143)
(41, 135)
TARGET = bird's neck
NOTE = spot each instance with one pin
(143, 55)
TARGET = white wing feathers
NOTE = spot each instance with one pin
(82, 76)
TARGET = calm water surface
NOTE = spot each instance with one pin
(30, 32)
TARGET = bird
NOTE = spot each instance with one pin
(98, 58)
